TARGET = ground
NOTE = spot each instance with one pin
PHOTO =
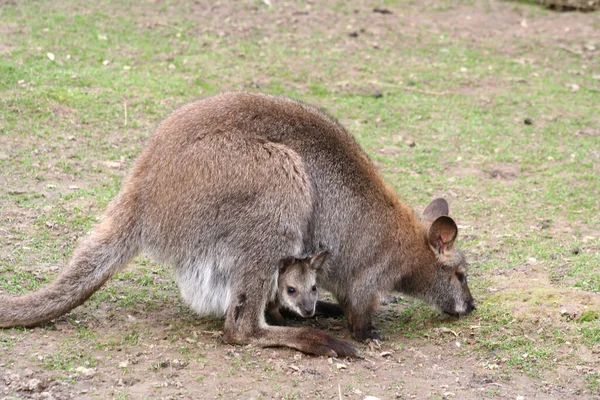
(492, 105)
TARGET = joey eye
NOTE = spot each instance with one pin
(291, 290)
(461, 277)
(314, 288)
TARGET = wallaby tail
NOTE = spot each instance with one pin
(98, 257)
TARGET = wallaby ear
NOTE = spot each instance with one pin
(285, 263)
(318, 259)
(437, 208)
(442, 234)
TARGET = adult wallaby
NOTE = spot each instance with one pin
(296, 287)
(230, 185)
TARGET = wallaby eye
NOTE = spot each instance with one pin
(291, 290)
(314, 288)
(461, 277)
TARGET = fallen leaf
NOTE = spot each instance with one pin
(447, 330)
(112, 164)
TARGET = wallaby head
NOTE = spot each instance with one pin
(297, 284)
(447, 270)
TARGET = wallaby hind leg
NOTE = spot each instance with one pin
(245, 324)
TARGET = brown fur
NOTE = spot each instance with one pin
(231, 184)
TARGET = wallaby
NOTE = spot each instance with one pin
(296, 287)
(231, 184)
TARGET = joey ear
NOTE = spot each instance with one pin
(318, 259)
(442, 234)
(285, 263)
(437, 208)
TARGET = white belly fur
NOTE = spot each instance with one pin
(205, 286)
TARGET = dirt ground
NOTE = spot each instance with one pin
(174, 355)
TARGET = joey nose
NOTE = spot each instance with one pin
(308, 309)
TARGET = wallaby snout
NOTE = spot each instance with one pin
(471, 307)
(308, 307)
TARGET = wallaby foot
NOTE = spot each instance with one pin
(390, 300)
(359, 321)
(307, 340)
(329, 309)
(365, 333)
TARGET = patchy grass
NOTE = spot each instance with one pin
(496, 112)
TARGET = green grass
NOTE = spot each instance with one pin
(452, 113)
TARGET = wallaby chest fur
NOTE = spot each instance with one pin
(230, 185)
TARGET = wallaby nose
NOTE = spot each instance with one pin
(471, 306)
(308, 309)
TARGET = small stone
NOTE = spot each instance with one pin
(86, 371)
(12, 378)
(340, 366)
(34, 385)
(377, 95)
(575, 250)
